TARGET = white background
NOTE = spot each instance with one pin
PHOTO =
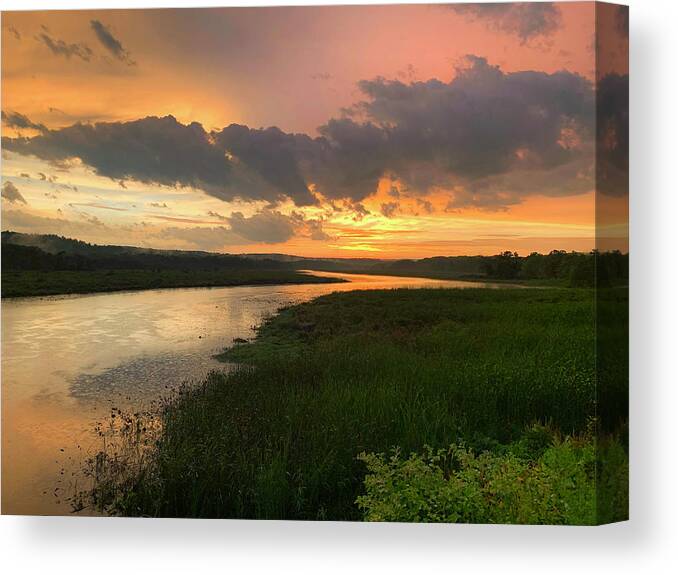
(646, 544)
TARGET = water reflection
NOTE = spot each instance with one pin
(67, 360)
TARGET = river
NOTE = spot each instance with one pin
(67, 360)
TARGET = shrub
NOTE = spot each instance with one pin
(520, 484)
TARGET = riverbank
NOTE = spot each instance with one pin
(42, 283)
(502, 381)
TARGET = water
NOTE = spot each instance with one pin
(67, 360)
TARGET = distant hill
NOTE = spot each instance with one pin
(49, 251)
(54, 244)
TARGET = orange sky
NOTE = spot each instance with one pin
(296, 69)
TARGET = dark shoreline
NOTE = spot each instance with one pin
(24, 284)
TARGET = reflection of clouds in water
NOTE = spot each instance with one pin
(142, 378)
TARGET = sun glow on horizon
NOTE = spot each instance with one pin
(284, 189)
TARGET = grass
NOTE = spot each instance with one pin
(366, 372)
(39, 283)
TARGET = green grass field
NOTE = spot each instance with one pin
(502, 381)
(37, 283)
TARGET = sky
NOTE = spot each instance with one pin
(347, 131)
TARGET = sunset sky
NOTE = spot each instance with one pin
(379, 131)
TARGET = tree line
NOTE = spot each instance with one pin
(573, 268)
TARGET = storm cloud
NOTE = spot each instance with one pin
(19, 121)
(110, 42)
(150, 150)
(526, 20)
(470, 136)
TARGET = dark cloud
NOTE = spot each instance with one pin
(358, 210)
(60, 48)
(471, 135)
(20, 122)
(425, 205)
(12, 194)
(526, 20)
(268, 227)
(389, 209)
(150, 150)
(269, 158)
(482, 124)
(111, 43)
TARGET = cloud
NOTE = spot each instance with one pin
(314, 230)
(466, 136)
(265, 227)
(217, 215)
(60, 48)
(389, 209)
(181, 219)
(19, 121)
(425, 205)
(150, 150)
(527, 20)
(482, 124)
(210, 239)
(269, 160)
(111, 43)
(12, 194)
(15, 32)
(268, 227)
(98, 206)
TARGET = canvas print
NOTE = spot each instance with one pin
(357, 263)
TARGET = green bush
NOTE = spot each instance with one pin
(525, 483)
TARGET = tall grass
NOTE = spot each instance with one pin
(366, 372)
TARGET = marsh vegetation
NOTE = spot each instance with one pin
(487, 396)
